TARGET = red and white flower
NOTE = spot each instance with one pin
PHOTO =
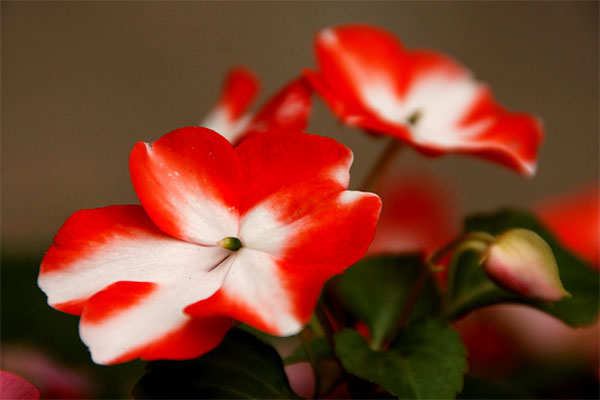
(163, 280)
(288, 110)
(421, 97)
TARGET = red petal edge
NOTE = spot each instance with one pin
(197, 337)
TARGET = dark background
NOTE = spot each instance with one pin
(82, 82)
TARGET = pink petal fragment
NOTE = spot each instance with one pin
(14, 387)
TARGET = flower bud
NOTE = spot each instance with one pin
(522, 262)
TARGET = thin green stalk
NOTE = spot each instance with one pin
(409, 304)
(304, 339)
(452, 307)
(381, 165)
(474, 241)
(325, 324)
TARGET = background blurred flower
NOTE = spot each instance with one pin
(575, 219)
(53, 379)
(229, 116)
(14, 387)
(288, 110)
(421, 97)
(420, 214)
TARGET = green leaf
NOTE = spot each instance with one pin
(427, 360)
(376, 289)
(477, 388)
(241, 367)
(319, 347)
(473, 289)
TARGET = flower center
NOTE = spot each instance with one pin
(414, 117)
(230, 243)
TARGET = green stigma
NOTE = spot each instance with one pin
(415, 117)
(230, 243)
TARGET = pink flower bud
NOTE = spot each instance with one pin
(522, 262)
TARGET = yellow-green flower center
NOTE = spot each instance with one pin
(230, 243)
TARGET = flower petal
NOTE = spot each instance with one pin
(268, 293)
(575, 219)
(95, 248)
(291, 167)
(143, 319)
(311, 220)
(228, 117)
(15, 387)
(335, 229)
(422, 97)
(287, 111)
(351, 58)
(188, 183)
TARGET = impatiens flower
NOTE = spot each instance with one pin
(14, 387)
(288, 110)
(575, 219)
(249, 233)
(419, 215)
(421, 97)
(521, 261)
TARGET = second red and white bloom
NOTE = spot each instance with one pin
(288, 110)
(248, 233)
(422, 97)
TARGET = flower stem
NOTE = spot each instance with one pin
(409, 304)
(474, 241)
(304, 339)
(325, 324)
(413, 295)
(381, 165)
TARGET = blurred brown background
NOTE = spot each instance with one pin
(83, 81)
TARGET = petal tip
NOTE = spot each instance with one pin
(327, 36)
